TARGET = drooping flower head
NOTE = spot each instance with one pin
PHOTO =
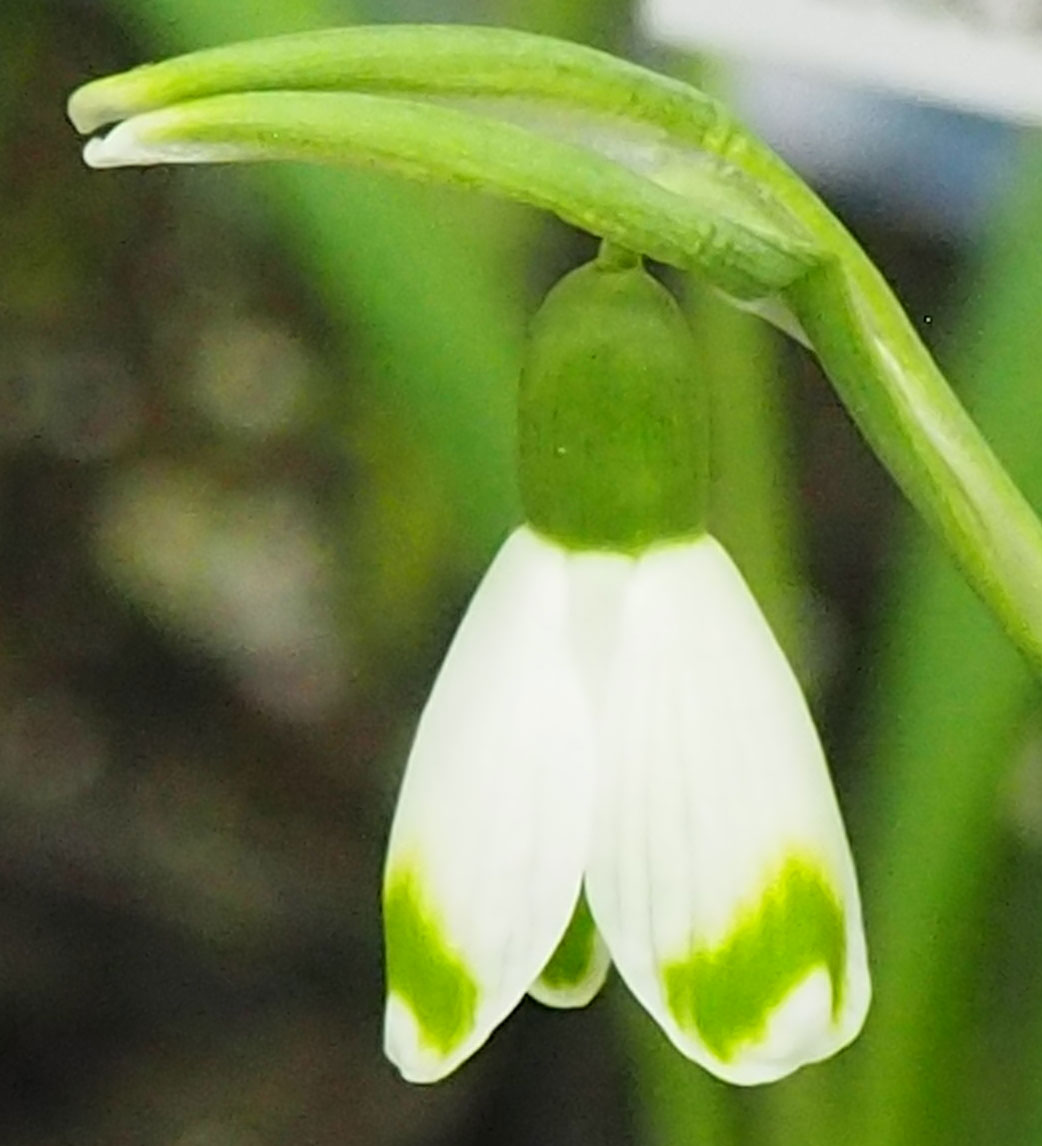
(616, 763)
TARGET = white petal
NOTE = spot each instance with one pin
(720, 874)
(493, 822)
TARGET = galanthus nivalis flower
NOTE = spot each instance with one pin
(616, 763)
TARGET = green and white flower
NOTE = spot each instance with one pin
(616, 762)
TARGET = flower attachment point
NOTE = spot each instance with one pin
(616, 762)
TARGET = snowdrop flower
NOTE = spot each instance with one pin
(616, 763)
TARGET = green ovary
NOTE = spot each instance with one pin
(727, 993)
(611, 419)
(423, 971)
(570, 963)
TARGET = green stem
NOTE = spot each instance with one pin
(948, 714)
(923, 435)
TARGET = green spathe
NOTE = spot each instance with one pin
(570, 963)
(611, 421)
(422, 969)
(726, 994)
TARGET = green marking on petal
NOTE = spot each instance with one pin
(422, 968)
(727, 993)
(570, 963)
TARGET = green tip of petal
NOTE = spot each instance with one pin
(726, 994)
(423, 971)
(570, 964)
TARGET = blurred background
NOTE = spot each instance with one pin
(255, 452)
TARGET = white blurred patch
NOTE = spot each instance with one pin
(978, 55)
(241, 572)
(249, 377)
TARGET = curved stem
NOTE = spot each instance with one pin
(933, 449)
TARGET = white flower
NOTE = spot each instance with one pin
(627, 727)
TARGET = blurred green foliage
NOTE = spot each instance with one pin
(255, 446)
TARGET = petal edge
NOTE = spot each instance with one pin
(492, 826)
